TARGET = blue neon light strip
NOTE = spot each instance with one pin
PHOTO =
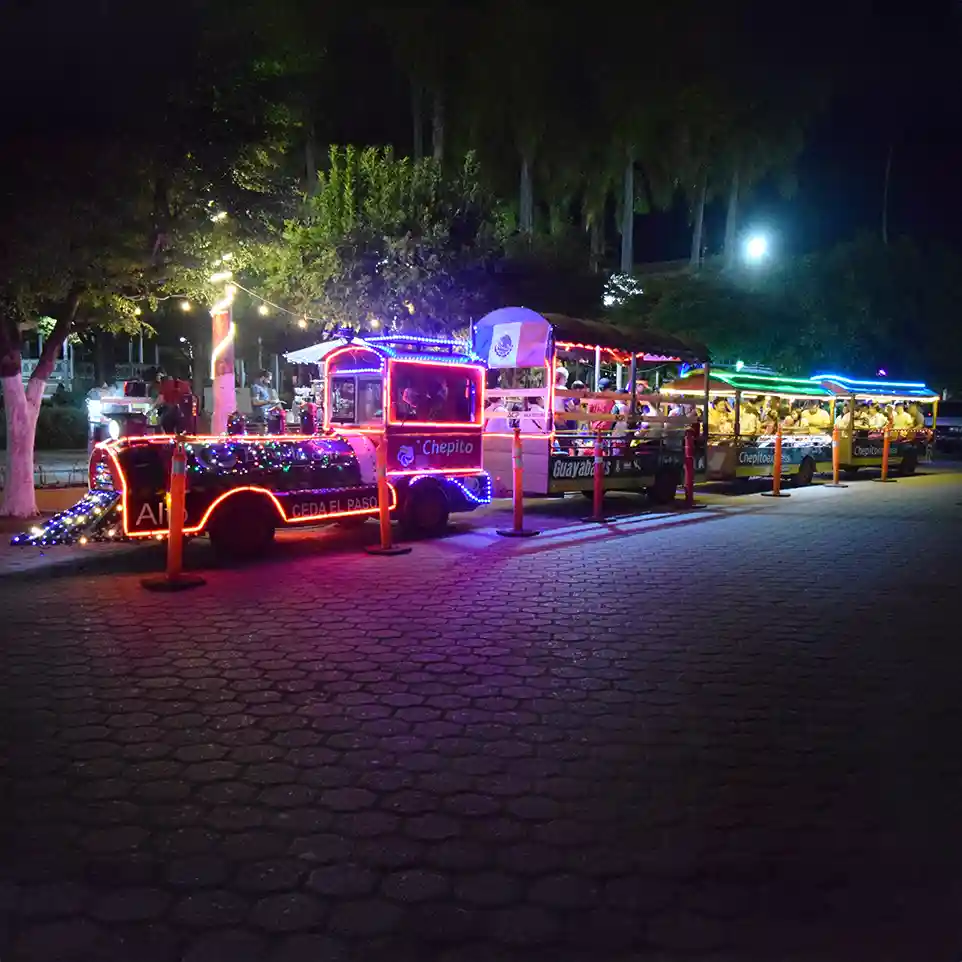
(486, 487)
(883, 384)
(415, 339)
(462, 360)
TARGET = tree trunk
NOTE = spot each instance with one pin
(597, 248)
(437, 127)
(731, 221)
(22, 406)
(526, 205)
(417, 118)
(698, 228)
(885, 196)
(628, 216)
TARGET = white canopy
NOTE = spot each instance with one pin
(315, 353)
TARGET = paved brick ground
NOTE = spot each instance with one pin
(727, 735)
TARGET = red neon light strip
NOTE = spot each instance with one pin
(404, 474)
(196, 529)
(328, 424)
(447, 425)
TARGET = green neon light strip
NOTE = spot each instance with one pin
(768, 384)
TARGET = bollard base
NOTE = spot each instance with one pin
(832, 484)
(518, 533)
(394, 549)
(181, 582)
(775, 494)
(884, 480)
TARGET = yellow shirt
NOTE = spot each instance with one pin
(903, 420)
(748, 423)
(817, 420)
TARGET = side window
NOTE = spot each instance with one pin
(344, 399)
(369, 397)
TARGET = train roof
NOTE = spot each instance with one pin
(879, 389)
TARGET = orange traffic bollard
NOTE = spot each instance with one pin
(174, 578)
(836, 459)
(886, 445)
(518, 529)
(386, 547)
(598, 509)
(776, 491)
(690, 468)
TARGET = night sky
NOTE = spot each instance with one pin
(899, 84)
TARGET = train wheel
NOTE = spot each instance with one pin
(665, 487)
(425, 513)
(806, 472)
(910, 461)
(242, 527)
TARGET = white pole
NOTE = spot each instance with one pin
(140, 348)
(277, 372)
(260, 354)
(597, 367)
(130, 350)
(156, 354)
(222, 370)
(618, 372)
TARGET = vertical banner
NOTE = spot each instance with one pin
(222, 368)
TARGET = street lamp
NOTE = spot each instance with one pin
(756, 248)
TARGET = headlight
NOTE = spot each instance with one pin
(113, 428)
(472, 485)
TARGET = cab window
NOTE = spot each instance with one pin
(355, 400)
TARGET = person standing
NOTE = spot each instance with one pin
(262, 400)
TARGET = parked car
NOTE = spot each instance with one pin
(948, 427)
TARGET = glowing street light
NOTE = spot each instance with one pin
(756, 248)
(263, 310)
(185, 305)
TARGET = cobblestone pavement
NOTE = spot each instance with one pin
(727, 735)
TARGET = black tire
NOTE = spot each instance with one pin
(425, 512)
(665, 488)
(242, 527)
(805, 474)
(909, 463)
(851, 473)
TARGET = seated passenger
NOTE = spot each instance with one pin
(496, 416)
(601, 406)
(749, 424)
(621, 409)
(720, 420)
(844, 420)
(915, 412)
(876, 418)
(792, 422)
(772, 417)
(901, 419)
(816, 419)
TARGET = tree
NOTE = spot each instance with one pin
(388, 242)
(105, 209)
(858, 307)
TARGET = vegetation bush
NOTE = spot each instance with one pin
(59, 427)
